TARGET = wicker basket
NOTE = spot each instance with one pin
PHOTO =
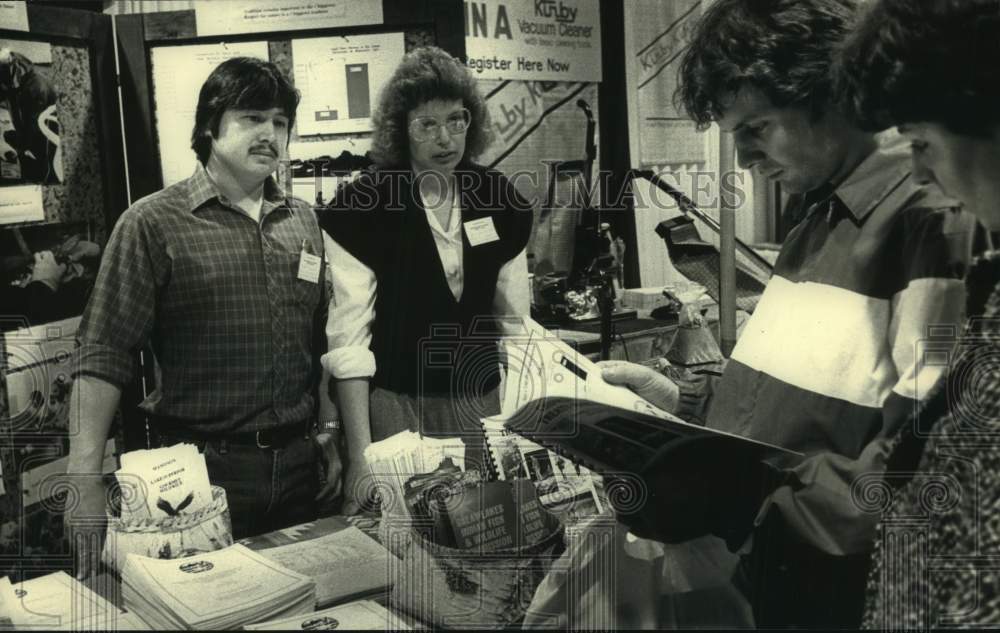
(206, 530)
(457, 588)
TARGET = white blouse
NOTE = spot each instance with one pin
(352, 305)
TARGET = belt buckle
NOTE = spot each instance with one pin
(257, 441)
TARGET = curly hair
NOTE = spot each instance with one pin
(426, 74)
(240, 83)
(923, 60)
(782, 47)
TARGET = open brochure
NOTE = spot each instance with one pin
(344, 562)
(57, 601)
(557, 398)
(541, 366)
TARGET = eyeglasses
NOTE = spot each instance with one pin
(426, 128)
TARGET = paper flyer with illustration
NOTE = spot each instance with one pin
(164, 482)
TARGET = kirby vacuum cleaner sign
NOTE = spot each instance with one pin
(548, 40)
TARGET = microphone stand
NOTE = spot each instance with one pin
(606, 294)
(591, 148)
(687, 206)
(606, 303)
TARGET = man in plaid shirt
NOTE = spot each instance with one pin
(223, 275)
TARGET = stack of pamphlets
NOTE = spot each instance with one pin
(396, 459)
(58, 601)
(224, 589)
(364, 615)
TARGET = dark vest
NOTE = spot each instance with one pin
(424, 341)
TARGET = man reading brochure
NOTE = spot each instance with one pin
(222, 274)
(829, 363)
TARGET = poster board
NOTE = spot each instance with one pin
(340, 79)
(143, 36)
(659, 35)
(178, 73)
(64, 167)
(537, 124)
(256, 16)
(534, 40)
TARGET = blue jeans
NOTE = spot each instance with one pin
(267, 489)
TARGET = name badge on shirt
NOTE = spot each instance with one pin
(481, 231)
(309, 264)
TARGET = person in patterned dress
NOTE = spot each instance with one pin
(930, 68)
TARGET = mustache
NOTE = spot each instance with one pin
(265, 146)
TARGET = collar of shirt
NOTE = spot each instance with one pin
(452, 232)
(201, 189)
(872, 181)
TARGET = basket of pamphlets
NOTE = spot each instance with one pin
(477, 557)
(166, 507)
(184, 534)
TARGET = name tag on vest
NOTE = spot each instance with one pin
(481, 231)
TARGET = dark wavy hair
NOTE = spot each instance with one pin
(240, 83)
(782, 47)
(910, 61)
(426, 74)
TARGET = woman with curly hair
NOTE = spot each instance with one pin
(930, 68)
(427, 249)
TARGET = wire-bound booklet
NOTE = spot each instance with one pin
(558, 399)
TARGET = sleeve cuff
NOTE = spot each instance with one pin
(349, 362)
(108, 363)
(694, 395)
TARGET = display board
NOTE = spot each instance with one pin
(334, 111)
(178, 73)
(659, 35)
(340, 79)
(254, 16)
(62, 185)
(538, 125)
(534, 40)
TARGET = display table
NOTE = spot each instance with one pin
(639, 340)
(108, 584)
(642, 339)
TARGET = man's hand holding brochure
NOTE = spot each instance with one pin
(667, 479)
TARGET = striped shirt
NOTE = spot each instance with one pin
(233, 328)
(828, 364)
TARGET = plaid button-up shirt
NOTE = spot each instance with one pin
(233, 328)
